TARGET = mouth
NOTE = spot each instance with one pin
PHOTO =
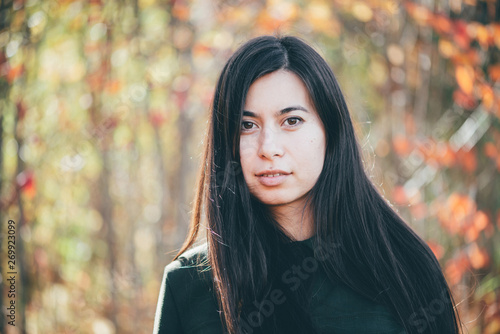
(272, 178)
(272, 173)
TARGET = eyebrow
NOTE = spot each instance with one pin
(279, 113)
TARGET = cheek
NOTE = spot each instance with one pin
(311, 151)
(246, 153)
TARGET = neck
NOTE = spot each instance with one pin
(295, 219)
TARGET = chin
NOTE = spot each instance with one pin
(274, 202)
(277, 199)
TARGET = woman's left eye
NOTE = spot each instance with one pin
(247, 125)
(292, 121)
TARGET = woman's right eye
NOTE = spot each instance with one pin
(247, 125)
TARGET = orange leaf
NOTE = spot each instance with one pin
(494, 72)
(441, 24)
(399, 195)
(401, 144)
(113, 86)
(453, 273)
(419, 13)
(471, 234)
(446, 155)
(480, 220)
(180, 11)
(496, 34)
(468, 160)
(487, 96)
(456, 213)
(478, 257)
(14, 73)
(455, 269)
(436, 248)
(465, 78)
(490, 150)
(482, 36)
(201, 49)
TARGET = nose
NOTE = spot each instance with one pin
(270, 144)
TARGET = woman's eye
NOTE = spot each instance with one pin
(247, 125)
(292, 121)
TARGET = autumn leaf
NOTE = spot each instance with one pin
(399, 195)
(445, 155)
(455, 269)
(14, 72)
(494, 72)
(480, 220)
(419, 13)
(419, 211)
(447, 48)
(113, 86)
(464, 100)
(401, 145)
(180, 11)
(455, 215)
(436, 248)
(26, 183)
(157, 117)
(487, 96)
(467, 159)
(460, 35)
(496, 34)
(479, 258)
(482, 36)
(465, 78)
(441, 24)
(490, 150)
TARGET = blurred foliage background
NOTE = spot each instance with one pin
(104, 103)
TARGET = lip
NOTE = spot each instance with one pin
(272, 177)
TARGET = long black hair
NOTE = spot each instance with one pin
(363, 242)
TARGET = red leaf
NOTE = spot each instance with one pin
(21, 110)
(460, 35)
(464, 100)
(26, 182)
(157, 117)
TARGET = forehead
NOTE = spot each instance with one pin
(277, 90)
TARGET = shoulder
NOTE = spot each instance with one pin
(192, 264)
(189, 268)
(187, 301)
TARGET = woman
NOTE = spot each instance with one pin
(298, 238)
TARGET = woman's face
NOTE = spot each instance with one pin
(282, 143)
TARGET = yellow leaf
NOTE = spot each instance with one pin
(446, 48)
(395, 54)
(362, 12)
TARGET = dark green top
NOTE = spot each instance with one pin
(187, 302)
